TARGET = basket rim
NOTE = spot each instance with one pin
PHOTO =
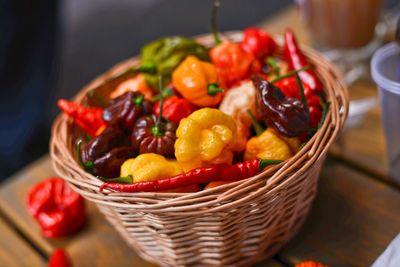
(269, 180)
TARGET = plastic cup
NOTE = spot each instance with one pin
(385, 65)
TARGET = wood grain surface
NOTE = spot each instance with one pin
(95, 245)
(14, 251)
(353, 219)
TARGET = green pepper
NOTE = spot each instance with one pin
(166, 54)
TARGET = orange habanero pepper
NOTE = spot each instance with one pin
(196, 81)
(233, 63)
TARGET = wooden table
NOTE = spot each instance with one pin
(354, 217)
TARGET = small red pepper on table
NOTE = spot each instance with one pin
(88, 119)
(257, 42)
(219, 172)
(175, 108)
(296, 60)
(59, 258)
(58, 209)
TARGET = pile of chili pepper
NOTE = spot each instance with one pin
(196, 123)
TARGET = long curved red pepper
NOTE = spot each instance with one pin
(220, 172)
(296, 60)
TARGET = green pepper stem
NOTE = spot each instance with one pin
(290, 74)
(138, 100)
(87, 165)
(121, 180)
(166, 92)
(324, 113)
(156, 129)
(266, 162)
(217, 41)
(272, 62)
(303, 96)
(256, 125)
(148, 67)
(213, 89)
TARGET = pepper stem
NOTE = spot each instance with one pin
(166, 92)
(323, 117)
(217, 41)
(272, 62)
(148, 67)
(213, 89)
(256, 125)
(138, 100)
(156, 130)
(87, 165)
(121, 180)
(303, 96)
(266, 162)
(290, 73)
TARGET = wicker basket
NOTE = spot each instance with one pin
(234, 224)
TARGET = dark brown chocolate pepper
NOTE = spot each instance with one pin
(124, 110)
(289, 116)
(106, 152)
(146, 139)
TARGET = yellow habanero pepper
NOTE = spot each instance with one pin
(271, 145)
(196, 81)
(151, 166)
(204, 139)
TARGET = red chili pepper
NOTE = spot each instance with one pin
(296, 60)
(310, 264)
(290, 87)
(175, 108)
(59, 258)
(88, 119)
(219, 172)
(258, 43)
(59, 210)
(233, 63)
(315, 114)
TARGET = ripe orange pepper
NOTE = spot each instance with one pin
(233, 63)
(196, 81)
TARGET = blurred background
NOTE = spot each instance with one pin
(50, 49)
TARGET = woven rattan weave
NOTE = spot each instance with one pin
(235, 224)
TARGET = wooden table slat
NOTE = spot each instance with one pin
(353, 219)
(98, 244)
(14, 251)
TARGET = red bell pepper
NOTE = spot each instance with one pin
(296, 60)
(58, 209)
(88, 119)
(59, 258)
(258, 43)
(175, 108)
